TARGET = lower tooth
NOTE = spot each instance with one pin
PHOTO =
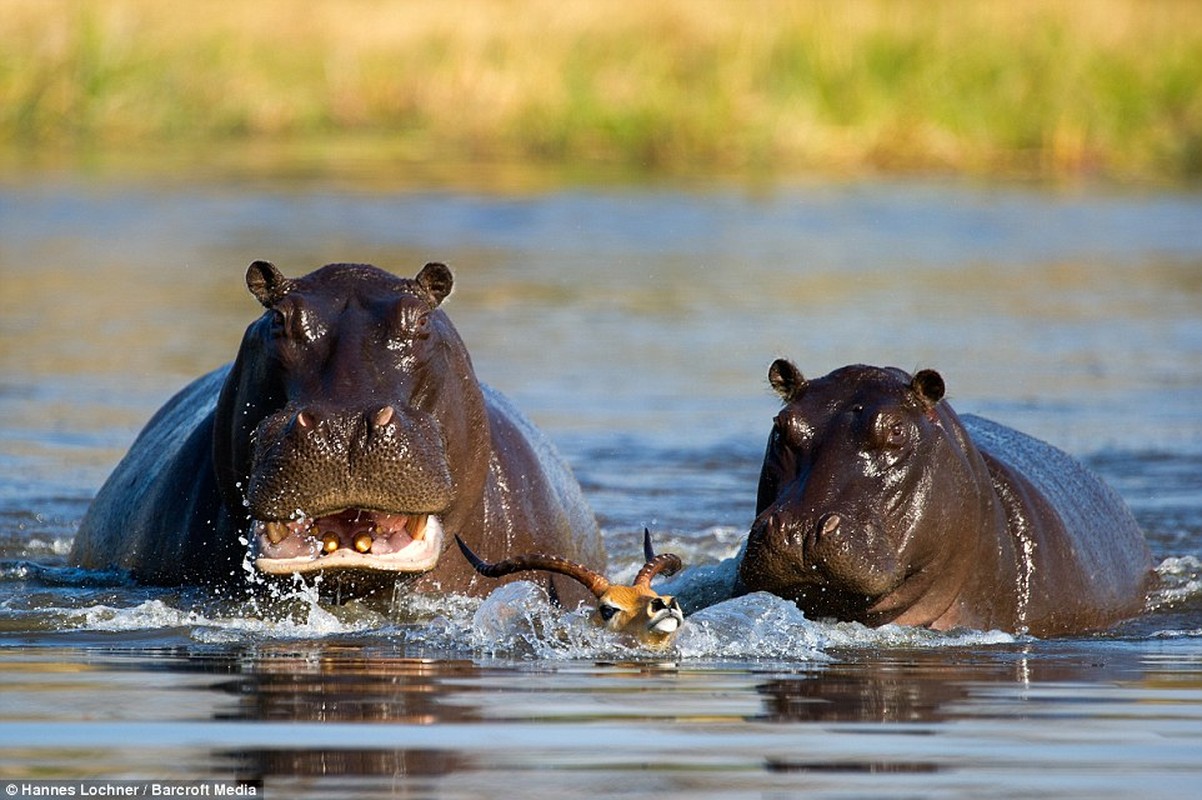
(416, 528)
(363, 542)
(277, 532)
(329, 542)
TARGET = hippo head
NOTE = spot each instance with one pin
(351, 428)
(867, 485)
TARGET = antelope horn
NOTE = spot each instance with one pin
(594, 582)
(666, 563)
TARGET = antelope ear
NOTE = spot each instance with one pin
(929, 386)
(266, 283)
(786, 379)
(436, 279)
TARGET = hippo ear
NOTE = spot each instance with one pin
(436, 279)
(928, 384)
(266, 283)
(786, 379)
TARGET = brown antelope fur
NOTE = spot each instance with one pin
(636, 610)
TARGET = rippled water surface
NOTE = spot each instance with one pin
(635, 325)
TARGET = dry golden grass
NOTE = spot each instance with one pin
(1066, 87)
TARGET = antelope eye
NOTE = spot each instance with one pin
(607, 611)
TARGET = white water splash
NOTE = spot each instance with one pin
(148, 615)
(755, 626)
(517, 620)
(313, 623)
(1180, 582)
(57, 546)
(763, 626)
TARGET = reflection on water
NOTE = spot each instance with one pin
(343, 685)
(635, 325)
(308, 717)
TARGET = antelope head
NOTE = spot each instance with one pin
(636, 610)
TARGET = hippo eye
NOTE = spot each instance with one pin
(607, 611)
(892, 432)
(296, 322)
(410, 321)
(790, 430)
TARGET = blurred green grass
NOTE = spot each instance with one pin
(1097, 87)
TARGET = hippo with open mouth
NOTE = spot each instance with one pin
(878, 504)
(349, 436)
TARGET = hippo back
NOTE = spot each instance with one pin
(159, 514)
(561, 482)
(1106, 542)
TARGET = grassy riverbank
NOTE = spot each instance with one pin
(1075, 87)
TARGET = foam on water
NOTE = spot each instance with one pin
(310, 621)
(516, 621)
(1180, 582)
(755, 626)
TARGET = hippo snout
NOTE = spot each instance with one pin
(778, 533)
(824, 561)
(320, 460)
(364, 425)
(775, 560)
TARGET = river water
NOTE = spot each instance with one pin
(635, 325)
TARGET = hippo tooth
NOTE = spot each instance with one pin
(329, 542)
(415, 526)
(363, 542)
(277, 532)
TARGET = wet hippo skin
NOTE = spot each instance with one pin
(878, 504)
(350, 437)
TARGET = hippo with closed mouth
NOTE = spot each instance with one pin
(878, 504)
(349, 437)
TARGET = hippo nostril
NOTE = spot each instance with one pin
(383, 416)
(304, 419)
(829, 524)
